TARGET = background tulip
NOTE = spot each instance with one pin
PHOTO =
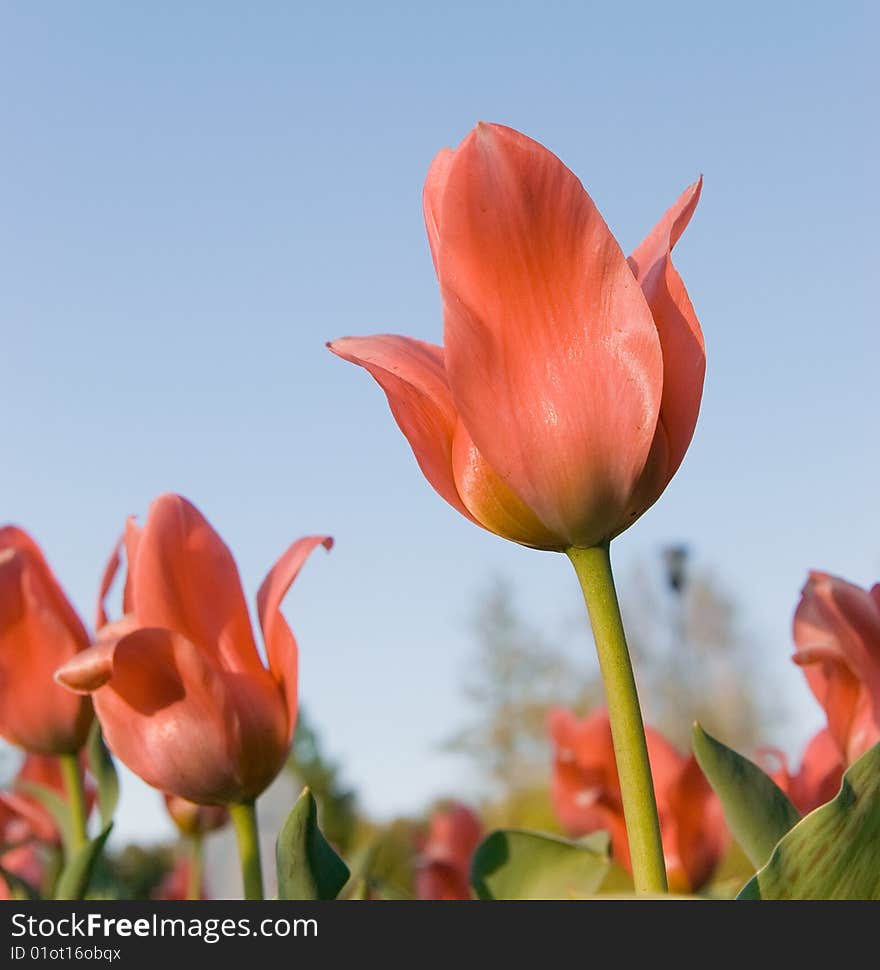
(587, 797)
(444, 861)
(837, 634)
(39, 631)
(184, 699)
(817, 780)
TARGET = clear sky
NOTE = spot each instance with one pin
(195, 197)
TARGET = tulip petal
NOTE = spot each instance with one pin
(700, 834)
(186, 726)
(837, 634)
(109, 574)
(491, 502)
(681, 339)
(411, 373)
(39, 631)
(435, 183)
(552, 354)
(280, 642)
(129, 539)
(185, 579)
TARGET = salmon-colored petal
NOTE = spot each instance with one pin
(821, 773)
(185, 579)
(552, 354)
(192, 819)
(837, 634)
(681, 339)
(185, 725)
(279, 639)
(454, 833)
(38, 632)
(491, 502)
(696, 832)
(432, 193)
(14, 538)
(107, 578)
(411, 373)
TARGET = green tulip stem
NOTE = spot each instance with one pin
(244, 818)
(76, 801)
(593, 568)
(196, 866)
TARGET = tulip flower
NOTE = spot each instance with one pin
(27, 828)
(39, 631)
(819, 777)
(443, 870)
(192, 819)
(567, 389)
(20, 858)
(45, 772)
(184, 698)
(837, 634)
(587, 797)
(193, 822)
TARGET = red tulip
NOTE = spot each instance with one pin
(185, 700)
(586, 797)
(567, 389)
(39, 631)
(837, 633)
(192, 819)
(819, 777)
(445, 858)
(45, 771)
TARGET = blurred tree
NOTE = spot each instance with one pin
(513, 680)
(336, 802)
(693, 659)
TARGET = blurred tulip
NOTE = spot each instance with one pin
(184, 699)
(568, 386)
(837, 634)
(194, 820)
(39, 631)
(819, 777)
(443, 870)
(586, 797)
(44, 771)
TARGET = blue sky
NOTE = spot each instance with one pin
(195, 197)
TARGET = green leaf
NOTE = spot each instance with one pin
(55, 804)
(834, 853)
(757, 811)
(515, 864)
(73, 883)
(104, 772)
(308, 866)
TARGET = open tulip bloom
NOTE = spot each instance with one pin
(566, 391)
(39, 631)
(182, 694)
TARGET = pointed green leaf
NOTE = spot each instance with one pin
(104, 772)
(757, 811)
(73, 883)
(834, 853)
(55, 805)
(308, 867)
(515, 864)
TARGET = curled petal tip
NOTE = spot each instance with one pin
(86, 672)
